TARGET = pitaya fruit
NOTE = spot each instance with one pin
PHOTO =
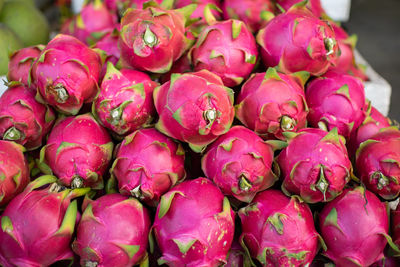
(109, 44)
(272, 103)
(153, 38)
(313, 5)
(14, 171)
(239, 163)
(120, 6)
(113, 231)
(22, 118)
(66, 74)
(196, 116)
(20, 64)
(78, 152)
(378, 163)
(354, 227)
(194, 225)
(278, 230)
(253, 13)
(125, 101)
(38, 224)
(395, 225)
(336, 100)
(298, 41)
(237, 257)
(147, 164)
(315, 165)
(201, 11)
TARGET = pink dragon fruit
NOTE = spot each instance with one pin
(38, 224)
(201, 11)
(298, 41)
(125, 101)
(319, 172)
(272, 103)
(66, 74)
(109, 44)
(120, 6)
(313, 5)
(354, 227)
(14, 171)
(78, 152)
(378, 163)
(22, 118)
(278, 230)
(395, 225)
(194, 225)
(237, 257)
(153, 38)
(136, 172)
(113, 231)
(336, 100)
(20, 64)
(239, 163)
(199, 115)
(253, 13)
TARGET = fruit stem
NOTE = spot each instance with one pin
(12, 134)
(77, 182)
(382, 180)
(244, 183)
(287, 123)
(322, 185)
(62, 94)
(329, 45)
(56, 188)
(149, 38)
(210, 115)
(136, 192)
(91, 264)
(115, 115)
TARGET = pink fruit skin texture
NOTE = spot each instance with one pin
(113, 232)
(22, 118)
(199, 11)
(196, 116)
(69, 66)
(109, 44)
(314, 6)
(377, 163)
(319, 172)
(152, 39)
(136, 4)
(298, 41)
(395, 225)
(336, 100)
(226, 48)
(237, 256)
(278, 230)
(239, 163)
(194, 225)
(272, 103)
(147, 164)
(353, 227)
(78, 151)
(14, 171)
(127, 95)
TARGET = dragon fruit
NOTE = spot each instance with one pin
(378, 163)
(38, 224)
(278, 230)
(395, 225)
(336, 100)
(354, 227)
(237, 257)
(298, 41)
(313, 5)
(66, 74)
(22, 118)
(253, 13)
(78, 152)
(125, 101)
(135, 169)
(319, 172)
(199, 115)
(201, 11)
(239, 163)
(109, 44)
(113, 231)
(120, 6)
(20, 64)
(194, 225)
(14, 171)
(272, 103)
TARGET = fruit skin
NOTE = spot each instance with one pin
(319, 172)
(9, 43)
(22, 118)
(354, 227)
(125, 101)
(278, 230)
(395, 225)
(120, 6)
(113, 231)
(109, 45)
(200, 115)
(237, 257)
(271, 103)
(66, 74)
(336, 100)
(193, 230)
(38, 224)
(78, 152)
(313, 5)
(298, 41)
(135, 169)
(239, 163)
(377, 163)
(198, 13)
(14, 171)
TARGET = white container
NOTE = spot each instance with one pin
(338, 10)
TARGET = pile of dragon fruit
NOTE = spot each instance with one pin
(196, 133)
